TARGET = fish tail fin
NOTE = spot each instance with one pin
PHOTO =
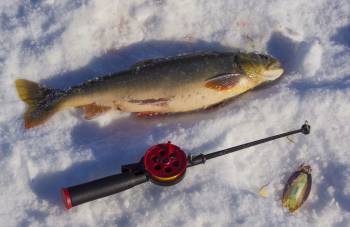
(42, 102)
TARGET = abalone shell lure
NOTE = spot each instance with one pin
(297, 189)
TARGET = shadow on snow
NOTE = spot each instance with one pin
(342, 36)
(126, 139)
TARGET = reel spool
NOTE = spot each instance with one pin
(165, 164)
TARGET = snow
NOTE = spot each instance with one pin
(62, 43)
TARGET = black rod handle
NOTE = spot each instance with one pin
(82, 193)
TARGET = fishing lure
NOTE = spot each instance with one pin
(297, 189)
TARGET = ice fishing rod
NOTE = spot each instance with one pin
(163, 164)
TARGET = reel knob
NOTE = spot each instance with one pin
(165, 163)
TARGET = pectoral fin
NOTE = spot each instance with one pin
(223, 81)
(93, 110)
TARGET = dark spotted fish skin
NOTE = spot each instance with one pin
(183, 81)
(166, 85)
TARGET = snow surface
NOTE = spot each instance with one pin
(62, 43)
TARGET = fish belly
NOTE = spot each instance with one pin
(185, 98)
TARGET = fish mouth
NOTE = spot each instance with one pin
(273, 74)
(273, 71)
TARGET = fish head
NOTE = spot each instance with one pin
(260, 67)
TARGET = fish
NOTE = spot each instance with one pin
(297, 189)
(157, 86)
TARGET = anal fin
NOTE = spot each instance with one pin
(93, 110)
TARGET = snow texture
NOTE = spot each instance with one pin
(62, 43)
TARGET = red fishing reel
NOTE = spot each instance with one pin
(165, 164)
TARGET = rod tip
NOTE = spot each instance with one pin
(306, 128)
